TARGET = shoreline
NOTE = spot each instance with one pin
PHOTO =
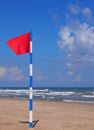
(14, 115)
(34, 100)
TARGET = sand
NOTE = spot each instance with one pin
(48, 115)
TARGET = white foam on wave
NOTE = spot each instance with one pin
(40, 90)
(61, 93)
(78, 101)
(13, 92)
(43, 96)
(89, 96)
(51, 93)
(51, 97)
(67, 93)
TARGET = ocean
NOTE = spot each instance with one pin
(81, 95)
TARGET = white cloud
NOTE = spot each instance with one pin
(39, 76)
(87, 12)
(3, 72)
(66, 38)
(15, 74)
(78, 79)
(77, 39)
(75, 9)
(11, 73)
(71, 73)
(69, 65)
(69, 55)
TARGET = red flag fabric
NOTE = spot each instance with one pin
(20, 44)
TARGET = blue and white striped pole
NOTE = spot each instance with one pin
(31, 100)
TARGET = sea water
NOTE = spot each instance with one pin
(82, 95)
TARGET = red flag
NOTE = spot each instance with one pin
(20, 44)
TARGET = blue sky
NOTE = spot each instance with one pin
(63, 43)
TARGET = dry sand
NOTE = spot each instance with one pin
(14, 115)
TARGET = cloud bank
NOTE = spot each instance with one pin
(77, 39)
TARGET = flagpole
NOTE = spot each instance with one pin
(31, 97)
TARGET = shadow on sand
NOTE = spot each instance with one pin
(27, 122)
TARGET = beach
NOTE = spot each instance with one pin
(47, 115)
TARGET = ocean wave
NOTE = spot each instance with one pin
(91, 102)
(41, 90)
(88, 96)
(50, 94)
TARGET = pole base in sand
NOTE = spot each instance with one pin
(30, 125)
